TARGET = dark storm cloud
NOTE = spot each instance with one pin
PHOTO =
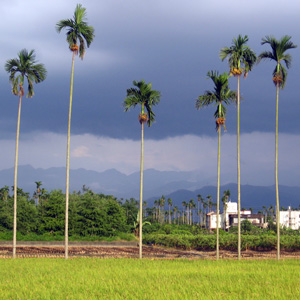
(170, 43)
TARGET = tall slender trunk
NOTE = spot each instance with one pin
(68, 165)
(141, 194)
(225, 221)
(238, 167)
(16, 181)
(218, 191)
(276, 174)
(198, 213)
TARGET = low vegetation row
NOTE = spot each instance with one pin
(227, 242)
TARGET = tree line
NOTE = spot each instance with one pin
(99, 215)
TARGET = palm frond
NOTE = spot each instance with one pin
(279, 47)
(62, 24)
(25, 66)
(77, 30)
(143, 95)
(266, 55)
(219, 96)
(240, 56)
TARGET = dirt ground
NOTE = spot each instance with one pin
(151, 252)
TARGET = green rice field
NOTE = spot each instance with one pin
(94, 278)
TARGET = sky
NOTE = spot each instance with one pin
(172, 44)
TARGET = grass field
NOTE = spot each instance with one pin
(92, 278)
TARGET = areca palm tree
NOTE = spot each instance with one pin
(209, 202)
(220, 96)
(161, 203)
(225, 197)
(175, 209)
(200, 201)
(38, 190)
(204, 212)
(184, 205)
(25, 66)
(156, 209)
(170, 203)
(192, 205)
(241, 60)
(279, 55)
(143, 95)
(79, 36)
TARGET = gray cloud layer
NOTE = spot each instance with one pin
(170, 43)
(182, 153)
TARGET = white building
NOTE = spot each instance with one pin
(211, 219)
(231, 217)
(290, 219)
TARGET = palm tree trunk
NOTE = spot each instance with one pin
(15, 181)
(218, 191)
(141, 194)
(238, 167)
(276, 175)
(68, 165)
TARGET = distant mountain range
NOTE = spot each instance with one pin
(179, 186)
(110, 182)
(251, 196)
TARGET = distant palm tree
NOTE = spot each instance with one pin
(161, 203)
(220, 96)
(170, 202)
(175, 209)
(200, 202)
(145, 205)
(265, 212)
(146, 97)
(38, 190)
(241, 59)
(19, 68)
(156, 209)
(78, 32)
(192, 205)
(209, 202)
(204, 212)
(279, 78)
(184, 204)
(225, 197)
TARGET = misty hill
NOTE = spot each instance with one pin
(110, 182)
(251, 196)
(179, 186)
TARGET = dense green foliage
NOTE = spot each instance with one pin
(94, 278)
(90, 215)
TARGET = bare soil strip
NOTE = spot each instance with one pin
(127, 250)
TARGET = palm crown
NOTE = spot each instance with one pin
(239, 54)
(278, 55)
(25, 66)
(77, 30)
(219, 96)
(143, 95)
